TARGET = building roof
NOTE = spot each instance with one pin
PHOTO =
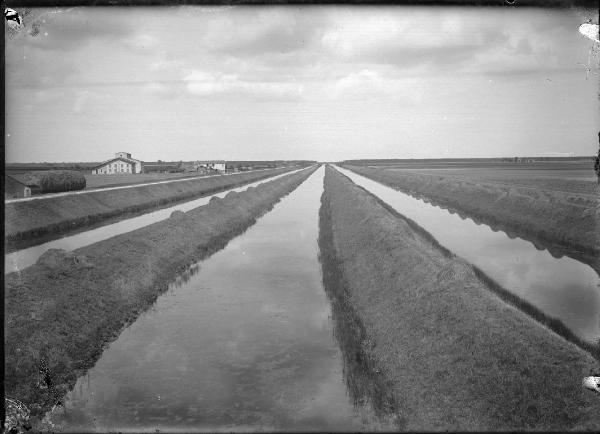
(27, 179)
(210, 161)
(127, 160)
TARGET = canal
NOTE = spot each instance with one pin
(563, 288)
(21, 259)
(243, 341)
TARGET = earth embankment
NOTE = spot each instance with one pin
(562, 222)
(60, 312)
(32, 222)
(450, 351)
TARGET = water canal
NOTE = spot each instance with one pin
(563, 288)
(243, 341)
(24, 258)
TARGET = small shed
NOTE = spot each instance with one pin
(20, 185)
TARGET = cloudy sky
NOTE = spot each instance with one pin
(290, 82)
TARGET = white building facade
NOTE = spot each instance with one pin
(218, 165)
(122, 163)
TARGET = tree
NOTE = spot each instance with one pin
(597, 162)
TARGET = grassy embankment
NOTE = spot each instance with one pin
(33, 222)
(60, 312)
(563, 222)
(453, 354)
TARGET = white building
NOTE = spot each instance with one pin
(218, 165)
(122, 163)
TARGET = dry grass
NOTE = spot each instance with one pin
(456, 355)
(99, 181)
(67, 306)
(578, 181)
(28, 222)
(564, 222)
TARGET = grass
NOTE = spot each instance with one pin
(565, 223)
(62, 311)
(552, 323)
(100, 181)
(579, 180)
(31, 222)
(362, 372)
(455, 354)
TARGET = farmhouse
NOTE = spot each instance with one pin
(122, 163)
(218, 165)
(20, 185)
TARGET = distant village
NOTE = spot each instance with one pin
(27, 179)
(124, 163)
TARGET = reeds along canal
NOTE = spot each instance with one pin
(562, 288)
(24, 258)
(244, 341)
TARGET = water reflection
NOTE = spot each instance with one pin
(362, 374)
(556, 250)
(562, 287)
(24, 258)
(185, 277)
(245, 343)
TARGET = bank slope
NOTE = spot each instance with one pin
(455, 356)
(565, 223)
(61, 311)
(32, 222)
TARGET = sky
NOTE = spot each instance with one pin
(323, 83)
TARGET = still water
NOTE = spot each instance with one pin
(561, 287)
(243, 341)
(24, 258)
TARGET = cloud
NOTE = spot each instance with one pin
(162, 90)
(141, 43)
(253, 32)
(74, 29)
(453, 41)
(355, 35)
(164, 64)
(370, 84)
(35, 68)
(361, 83)
(53, 43)
(205, 84)
(84, 97)
(80, 101)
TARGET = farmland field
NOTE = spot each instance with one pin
(99, 181)
(564, 176)
(554, 204)
(234, 311)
